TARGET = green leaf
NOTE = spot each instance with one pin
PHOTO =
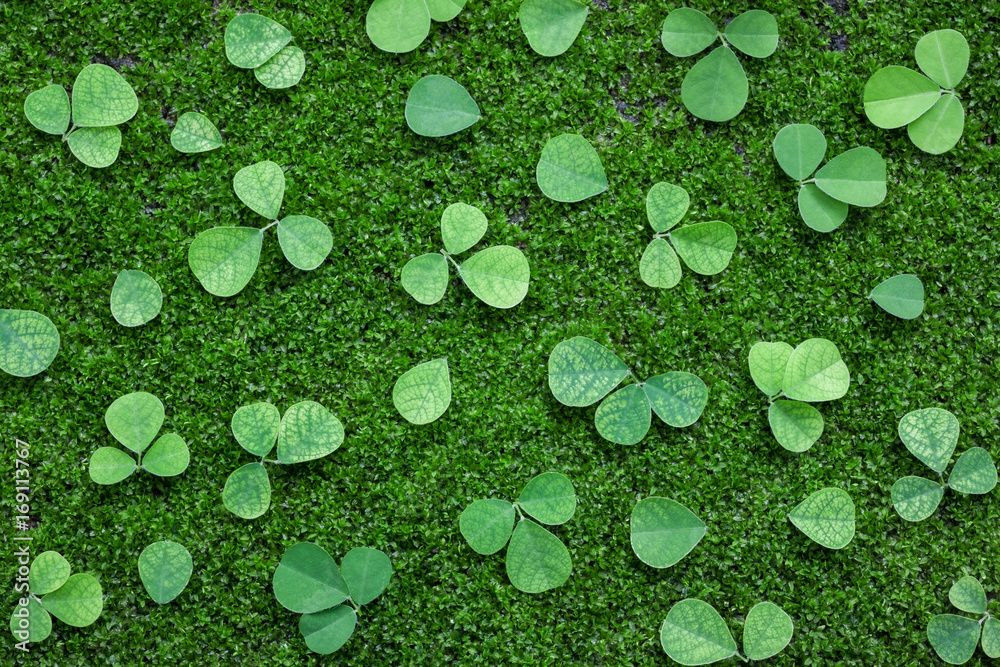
(693, 633)
(110, 466)
(755, 33)
(943, 55)
(666, 204)
(537, 560)
(855, 177)
(676, 397)
(991, 638)
(826, 517)
(706, 247)
(664, 531)
(686, 32)
(716, 88)
(767, 631)
(815, 372)
(487, 525)
(799, 150)
(165, 569)
(438, 106)
(974, 472)
(308, 431)
(916, 498)
(224, 259)
(931, 435)
(261, 186)
(247, 493)
(896, 96)
(582, 372)
(194, 133)
(326, 631)
(135, 419)
(549, 498)
(819, 210)
(168, 457)
(423, 393)
(462, 226)
(305, 241)
(101, 98)
(967, 594)
(135, 298)
(939, 130)
(624, 416)
(552, 26)
(251, 40)
(79, 602)
(366, 572)
(48, 109)
(28, 342)
(398, 26)
(767, 366)
(445, 10)
(659, 266)
(49, 571)
(307, 580)
(425, 278)
(569, 169)
(796, 426)
(283, 70)
(902, 296)
(953, 637)
(96, 147)
(34, 625)
(499, 276)
(255, 427)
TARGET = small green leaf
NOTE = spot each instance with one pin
(251, 40)
(79, 602)
(902, 296)
(261, 186)
(101, 98)
(110, 466)
(462, 226)
(664, 531)
(799, 150)
(676, 397)
(283, 70)
(855, 177)
(194, 133)
(767, 366)
(967, 594)
(939, 130)
(991, 638)
(755, 33)
(135, 298)
(328, 630)
(224, 259)
(826, 517)
(168, 457)
(552, 26)
(974, 472)
(308, 431)
(49, 571)
(931, 435)
(423, 393)
(425, 278)
(582, 372)
(48, 109)
(499, 276)
(255, 427)
(686, 32)
(659, 266)
(165, 569)
(28, 342)
(796, 426)
(666, 204)
(819, 210)
(569, 169)
(537, 560)
(247, 493)
(693, 633)
(943, 55)
(96, 147)
(815, 372)
(305, 241)
(487, 525)
(135, 419)
(366, 572)
(445, 10)
(953, 637)
(624, 416)
(438, 106)
(716, 88)
(307, 580)
(916, 498)
(896, 96)
(706, 247)
(398, 26)
(549, 498)
(767, 631)
(33, 624)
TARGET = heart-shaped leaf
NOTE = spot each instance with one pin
(943, 55)
(819, 210)
(974, 472)
(855, 177)
(194, 133)
(953, 637)
(755, 33)
(931, 435)
(135, 298)
(367, 572)
(135, 419)
(282, 70)
(48, 109)
(79, 602)
(967, 594)
(799, 150)
(659, 266)
(767, 631)
(96, 147)
(796, 426)
(307, 580)
(916, 498)
(31, 622)
(247, 493)
(676, 397)
(686, 32)
(425, 278)
(537, 560)
(224, 259)
(168, 457)
(664, 531)
(815, 372)
(423, 393)
(706, 247)
(624, 416)
(261, 186)
(569, 169)
(305, 241)
(902, 296)
(716, 88)
(582, 371)
(549, 498)
(165, 569)
(938, 130)
(328, 630)
(438, 106)
(398, 26)
(499, 276)
(552, 26)
(48, 572)
(255, 427)
(308, 431)
(110, 466)
(251, 40)
(767, 365)
(693, 633)
(896, 96)
(445, 10)
(991, 638)
(101, 98)
(826, 517)
(28, 342)
(462, 226)
(487, 525)
(666, 204)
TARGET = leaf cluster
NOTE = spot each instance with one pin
(400, 26)
(263, 45)
(955, 637)
(693, 633)
(75, 600)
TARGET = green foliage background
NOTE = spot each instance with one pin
(341, 335)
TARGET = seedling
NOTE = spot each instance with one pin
(134, 420)
(569, 169)
(165, 569)
(135, 299)
(955, 637)
(582, 372)
(811, 373)
(307, 581)
(706, 247)
(399, 26)
(855, 177)
(499, 276)
(29, 342)
(537, 560)
(102, 99)
(693, 633)
(258, 43)
(224, 259)
(438, 106)
(664, 531)
(552, 26)
(308, 431)
(928, 105)
(716, 88)
(194, 133)
(902, 296)
(423, 393)
(75, 600)
(827, 517)
(931, 434)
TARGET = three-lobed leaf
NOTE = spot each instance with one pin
(767, 631)
(549, 498)
(438, 106)
(308, 431)
(135, 298)
(251, 40)
(135, 419)
(827, 517)
(29, 342)
(224, 259)
(165, 569)
(552, 26)
(931, 434)
(582, 371)
(423, 393)
(195, 133)
(902, 296)
(487, 525)
(570, 170)
(693, 633)
(498, 275)
(716, 88)
(663, 531)
(537, 560)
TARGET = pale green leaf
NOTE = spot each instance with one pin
(855, 177)
(79, 602)
(101, 98)
(537, 560)
(666, 204)
(796, 426)
(261, 186)
(826, 517)
(706, 247)
(552, 26)
(549, 498)
(366, 572)
(896, 96)
(48, 572)
(799, 150)
(194, 133)
(30, 623)
(135, 298)
(931, 435)
(462, 226)
(815, 372)
(28, 342)
(767, 365)
(168, 457)
(916, 498)
(110, 466)
(247, 493)
(283, 70)
(438, 106)
(487, 525)
(676, 397)
(953, 637)
(991, 638)
(445, 10)
(398, 26)
(96, 147)
(974, 472)
(305, 241)
(499, 275)
(251, 40)
(819, 210)
(165, 569)
(224, 259)
(659, 266)
(943, 55)
(328, 630)
(686, 32)
(582, 371)
(755, 33)
(624, 416)
(135, 419)
(902, 296)
(425, 278)
(307, 580)
(569, 169)
(693, 633)
(308, 431)
(48, 109)
(664, 531)
(716, 88)
(255, 427)
(939, 130)
(967, 594)
(423, 393)
(767, 631)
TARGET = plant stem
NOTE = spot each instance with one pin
(68, 132)
(272, 224)
(518, 508)
(448, 256)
